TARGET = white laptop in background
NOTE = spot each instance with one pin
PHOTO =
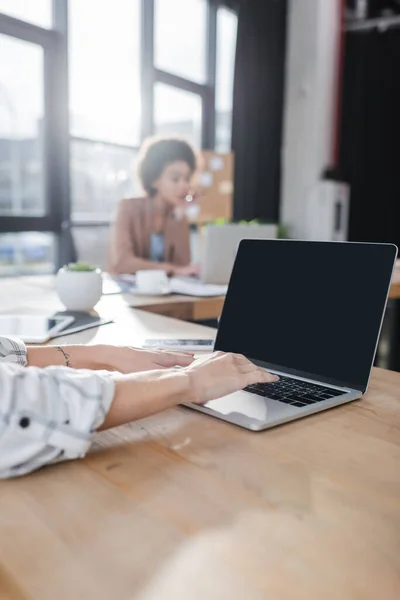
(310, 312)
(219, 245)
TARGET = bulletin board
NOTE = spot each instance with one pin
(213, 187)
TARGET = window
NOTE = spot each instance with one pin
(21, 128)
(27, 253)
(104, 58)
(181, 37)
(33, 156)
(226, 48)
(101, 174)
(162, 56)
(38, 12)
(177, 112)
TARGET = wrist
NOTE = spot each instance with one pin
(182, 389)
(85, 357)
(193, 394)
(143, 394)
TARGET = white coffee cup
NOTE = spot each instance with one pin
(151, 281)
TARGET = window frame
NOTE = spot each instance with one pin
(58, 218)
(54, 115)
(152, 75)
(55, 121)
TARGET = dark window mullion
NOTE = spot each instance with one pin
(11, 224)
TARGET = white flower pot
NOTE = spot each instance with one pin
(79, 290)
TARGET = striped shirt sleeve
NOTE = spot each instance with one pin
(12, 350)
(46, 415)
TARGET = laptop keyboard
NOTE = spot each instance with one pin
(293, 391)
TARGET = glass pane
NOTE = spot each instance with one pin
(101, 175)
(91, 244)
(180, 37)
(104, 62)
(21, 128)
(226, 49)
(26, 253)
(177, 112)
(38, 12)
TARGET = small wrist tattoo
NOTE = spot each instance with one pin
(66, 356)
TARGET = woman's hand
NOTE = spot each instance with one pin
(220, 374)
(187, 271)
(208, 378)
(125, 359)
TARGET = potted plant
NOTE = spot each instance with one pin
(79, 286)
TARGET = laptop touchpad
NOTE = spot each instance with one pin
(250, 405)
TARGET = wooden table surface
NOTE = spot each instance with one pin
(395, 287)
(181, 506)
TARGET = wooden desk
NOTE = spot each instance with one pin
(182, 506)
(395, 287)
(394, 342)
(37, 289)
(179, 307)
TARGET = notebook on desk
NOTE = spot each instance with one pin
(191, 286)
(185, 286)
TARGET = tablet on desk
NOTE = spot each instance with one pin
(33, 329)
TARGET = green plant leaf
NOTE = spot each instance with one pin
(80, 266)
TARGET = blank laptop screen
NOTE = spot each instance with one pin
(313, 307)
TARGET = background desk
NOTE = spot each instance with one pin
(179, 307)
(394, 342)
(40, 291)
(197, 508)
(395, 287)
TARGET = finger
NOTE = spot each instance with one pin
(260, 376)
(220, 354)
(241, 357)
(175, 353)
(270, 377)
(172, 360)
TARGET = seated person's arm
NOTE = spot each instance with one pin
(48, 415)
(123, 259)
(124, 359)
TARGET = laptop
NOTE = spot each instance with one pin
(310, 312)
(219, 247)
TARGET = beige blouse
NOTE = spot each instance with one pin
(130, 237)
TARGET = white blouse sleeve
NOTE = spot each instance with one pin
(46, 415)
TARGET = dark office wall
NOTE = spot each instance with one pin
(370, 141)
(258, 108)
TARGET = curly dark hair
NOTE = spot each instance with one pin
(156, 153)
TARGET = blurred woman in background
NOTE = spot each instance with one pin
(152, 232)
